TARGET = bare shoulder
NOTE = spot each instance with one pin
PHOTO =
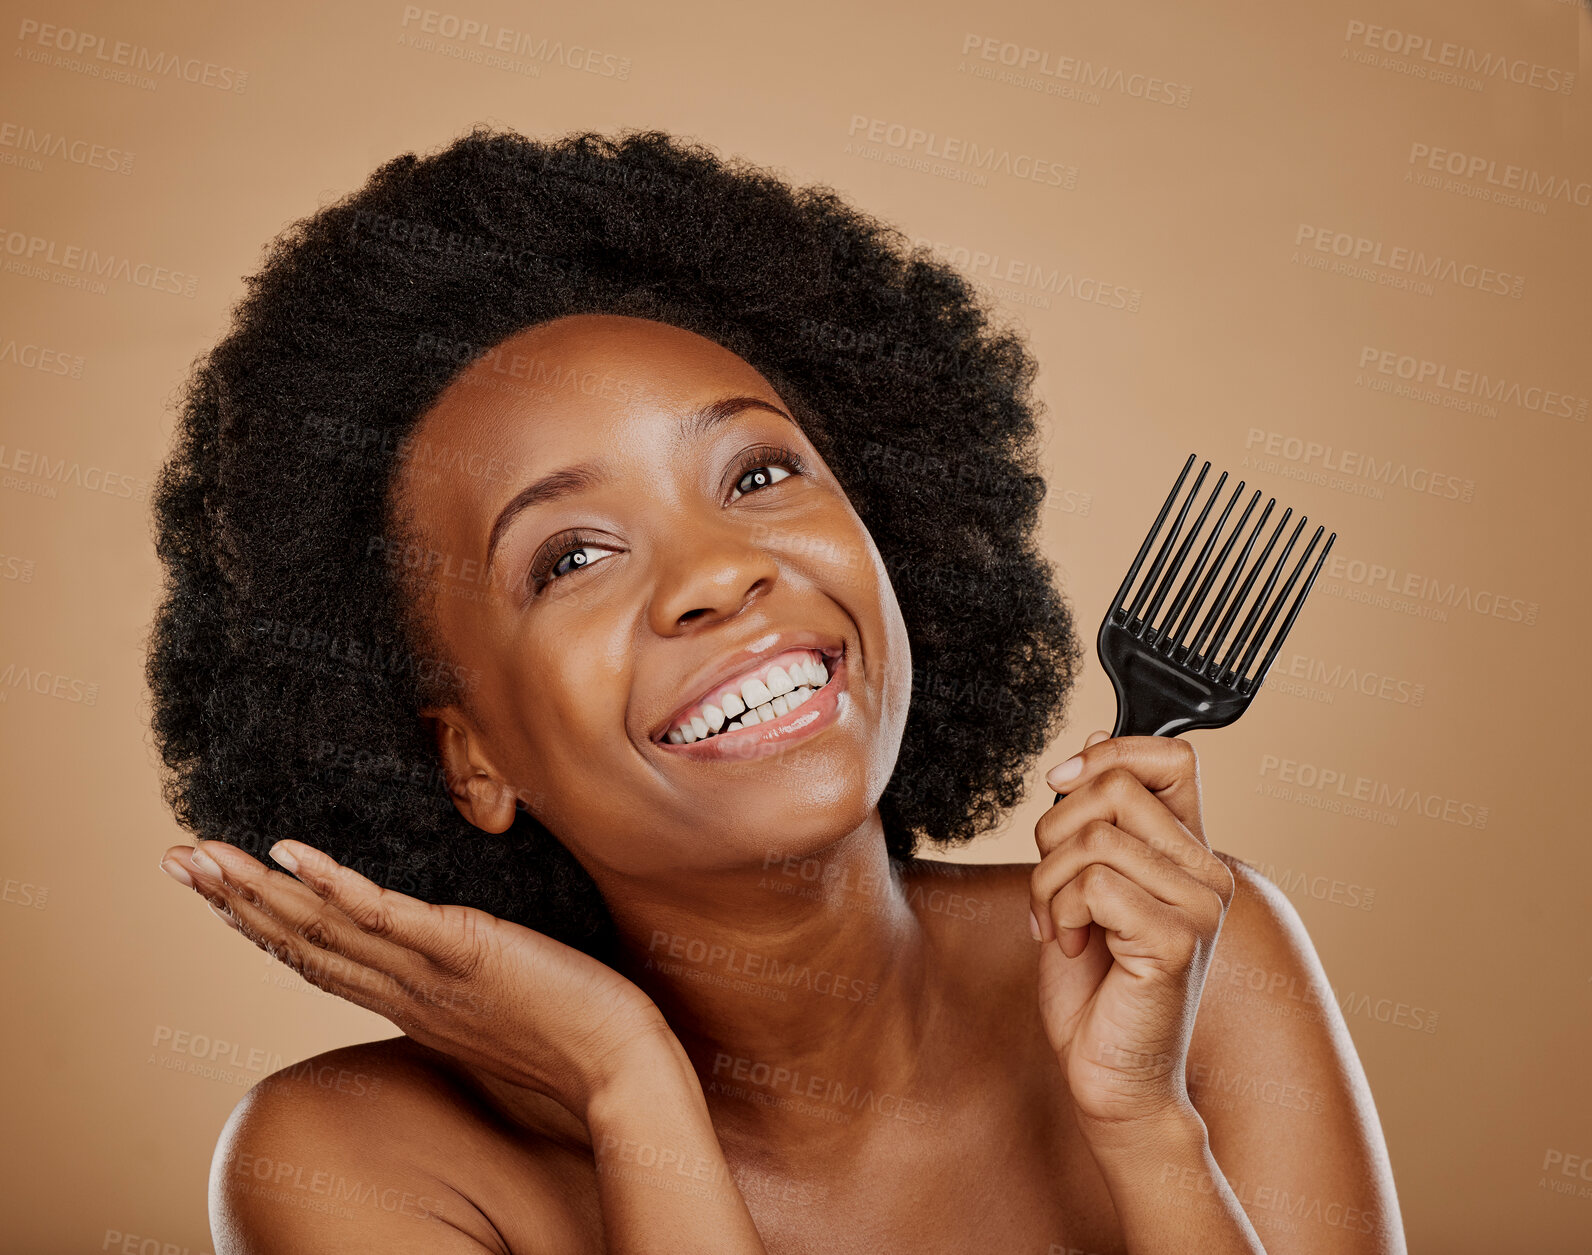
(374, 1148)
(1263, 948)
(1274, 1073)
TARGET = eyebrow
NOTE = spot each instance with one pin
(568, 480)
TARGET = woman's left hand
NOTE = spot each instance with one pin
(1129, 899)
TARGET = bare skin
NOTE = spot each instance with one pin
(801, 1051)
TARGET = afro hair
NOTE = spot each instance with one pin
(291, 653)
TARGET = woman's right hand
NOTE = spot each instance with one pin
(503, 999)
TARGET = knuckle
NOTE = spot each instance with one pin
(1186, 946)
(1226, 883)
(1095, 876)
(1097, 834)
(316, 933)
(371, 914)
(1117, 781)
(466, 950)
(285, 954)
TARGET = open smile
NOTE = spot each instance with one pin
(778, 722)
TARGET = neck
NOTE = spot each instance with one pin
(800, 989)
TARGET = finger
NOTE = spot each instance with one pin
(1119, 797)
(296, 905)
(1167, 766)
(1145, 935)
(324, 968)
(379, 992)
(1107, 845)
(440, 933)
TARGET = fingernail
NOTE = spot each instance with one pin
(177, 872)
(1065, 771)
(1033, 924)
(282, 855)
(205, 863)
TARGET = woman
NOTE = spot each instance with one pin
(637, 554)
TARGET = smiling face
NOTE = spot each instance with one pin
(631, 529)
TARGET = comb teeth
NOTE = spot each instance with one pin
(1198, 653)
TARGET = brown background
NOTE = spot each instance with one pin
(118, 984)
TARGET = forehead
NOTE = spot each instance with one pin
(556, 393)
(595, 367)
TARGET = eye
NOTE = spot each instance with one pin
(563, 554)
(763, 467)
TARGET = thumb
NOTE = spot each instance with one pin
(1096, 737)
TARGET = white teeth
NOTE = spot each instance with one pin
(779, 681)
(757, 702)
(755, 692)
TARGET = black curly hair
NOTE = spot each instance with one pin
(292, 651)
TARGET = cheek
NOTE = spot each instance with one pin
(564, 717)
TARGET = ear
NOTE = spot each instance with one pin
(478, 789)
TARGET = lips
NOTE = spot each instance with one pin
(728, 670)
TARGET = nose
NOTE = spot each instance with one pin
(709, 571)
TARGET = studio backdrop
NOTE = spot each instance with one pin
(1343, 251)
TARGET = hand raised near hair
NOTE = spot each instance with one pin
(498, 997)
